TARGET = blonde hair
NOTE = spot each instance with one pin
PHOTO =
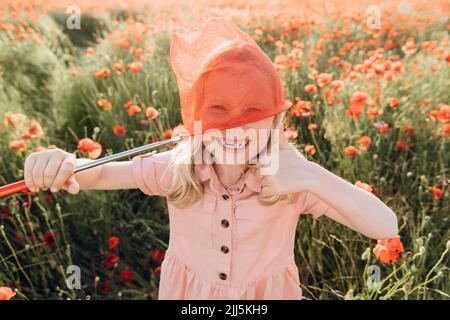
(186, 189)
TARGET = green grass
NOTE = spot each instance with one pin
(333, 261)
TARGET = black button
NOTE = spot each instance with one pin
(224, 249)
(225, 223)
(225, 196)
(222, 276)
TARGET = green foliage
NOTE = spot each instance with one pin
(36, 82)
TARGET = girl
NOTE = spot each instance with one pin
(232, 227)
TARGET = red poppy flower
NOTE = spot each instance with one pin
(110, 260)
(151, 113)
(394, 102)
(90, 52)
(350, 151)
(133, 109)
(400, 144)
(6, 293)
(135, 66)
(128, 104)
(137, 52)
(310, 88)
(34, 130)
(17, 145)
(168, 134)
(14, 120)
(357, 103)
(94, 149)
(364, 142)
(437, 193)
(113, 242)
(409, 47)
(119, 130)
(389, 250)
(324, 79)
(49, 239)
(118, 67)
(310, 149)
(104, 104)
(103, 73)
(126, 276)
(290, 134)
(157, 255)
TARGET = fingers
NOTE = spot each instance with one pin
(72, 185)
(51, 169)
(28, 171)
(38, 170)
(64, 174)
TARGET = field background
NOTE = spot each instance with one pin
(377, 112)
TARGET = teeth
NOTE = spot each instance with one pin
(232, 145)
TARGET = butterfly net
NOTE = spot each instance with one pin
(225, 79)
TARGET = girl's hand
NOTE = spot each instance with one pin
(52, 168)
(295, 173)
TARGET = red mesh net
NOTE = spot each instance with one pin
(224, 78)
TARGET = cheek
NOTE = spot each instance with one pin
(208, 141)
(210, 146)
(258, 143)
(262, 132)
(265, 123)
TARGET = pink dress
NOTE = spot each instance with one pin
(227, 245)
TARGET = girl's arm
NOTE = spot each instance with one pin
(352, 206)
(114, 175)
(54, 169)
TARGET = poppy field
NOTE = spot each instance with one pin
(370, 86)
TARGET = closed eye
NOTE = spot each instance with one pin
(252, 109)
(217, 108)
(249, 111)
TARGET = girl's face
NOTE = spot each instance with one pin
(228, 95)
(239, 144)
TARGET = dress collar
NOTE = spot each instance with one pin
(205, 172)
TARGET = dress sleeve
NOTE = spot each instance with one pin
(307, 202)
(152, 172)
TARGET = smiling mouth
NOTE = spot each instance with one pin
(233, 146)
